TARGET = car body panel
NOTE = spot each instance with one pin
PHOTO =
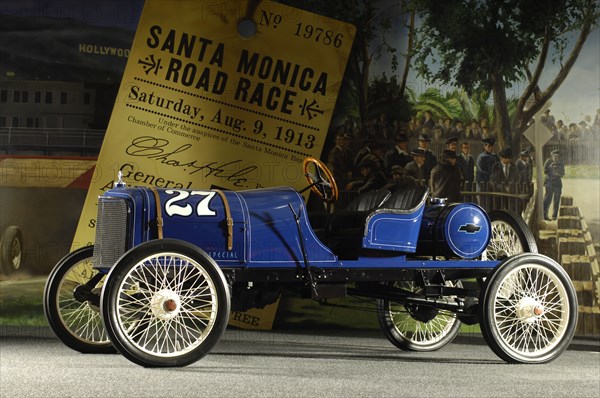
(270, 229)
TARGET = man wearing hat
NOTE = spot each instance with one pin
(339, 159)
(430, 159)
(484, 163)
(504, 175)
(398, 155)
(458, 129)
(365, 150)
(466, 164)
(554, 169)
(416, 168)
(446, 178)
(399, 179)
(524, 168)
(374, 150)
(372, 177)
(452, 143)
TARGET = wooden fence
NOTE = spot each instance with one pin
(583, 152)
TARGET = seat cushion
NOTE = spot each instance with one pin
(369, 200)
(406, 198)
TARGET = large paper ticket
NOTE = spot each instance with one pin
(203, 105)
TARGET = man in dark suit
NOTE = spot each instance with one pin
(554, 168)
(504, 175)
(340, 159)
(466, 164)
(484, 163)
(446, 178)
(398, 155)
(416, 168)
(430, 159)
(524, 168)
(372, 177)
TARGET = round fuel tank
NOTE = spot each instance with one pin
(454, 230)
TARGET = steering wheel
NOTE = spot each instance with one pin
(321, 182)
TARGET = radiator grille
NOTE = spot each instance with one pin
(111, 231)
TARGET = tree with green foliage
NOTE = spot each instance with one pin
(491, 45)
(384, 97)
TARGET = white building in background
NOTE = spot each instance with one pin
(46, 104)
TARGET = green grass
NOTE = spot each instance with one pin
(21, 302)
(24, 320)
(584, 172)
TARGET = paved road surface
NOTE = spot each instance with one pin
(269, 364)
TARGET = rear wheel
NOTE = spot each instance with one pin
(76, 321)
(166, 303)
(412, 327)
(510, 236)
(529, 309)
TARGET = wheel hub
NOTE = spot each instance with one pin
(529, 309)
(165, 304)
(422, 314)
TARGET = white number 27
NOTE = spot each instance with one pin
(174, 207)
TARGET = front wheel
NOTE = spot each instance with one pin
(529, 309)
(412, 327)
(166, 303)
(73, 317)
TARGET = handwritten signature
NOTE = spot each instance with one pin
(158, 150)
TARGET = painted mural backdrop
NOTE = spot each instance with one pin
(417, 68)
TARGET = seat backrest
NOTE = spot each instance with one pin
(369, 200)
(406, 198)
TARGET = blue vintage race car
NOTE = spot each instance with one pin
(168, 265)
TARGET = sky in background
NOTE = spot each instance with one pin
(577, 97)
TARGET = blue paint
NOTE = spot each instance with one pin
(265, 233)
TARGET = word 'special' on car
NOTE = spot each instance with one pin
(169, 265)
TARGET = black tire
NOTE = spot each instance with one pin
(77, 324)
(166, 303)
(528, 309)
(11, 245)
(510, 236)
(412, 329)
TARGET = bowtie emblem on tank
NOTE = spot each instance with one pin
(469, 228)
(168, 266)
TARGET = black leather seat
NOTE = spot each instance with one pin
(345, 227)
(369, 200)
(353, 217)
(406, 198)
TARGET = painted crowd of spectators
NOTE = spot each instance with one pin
(385, 161)
(585, 130)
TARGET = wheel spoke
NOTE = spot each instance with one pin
(416, 331)
(529, 310)
(176, 308)
(504, 241)
(80, 319)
